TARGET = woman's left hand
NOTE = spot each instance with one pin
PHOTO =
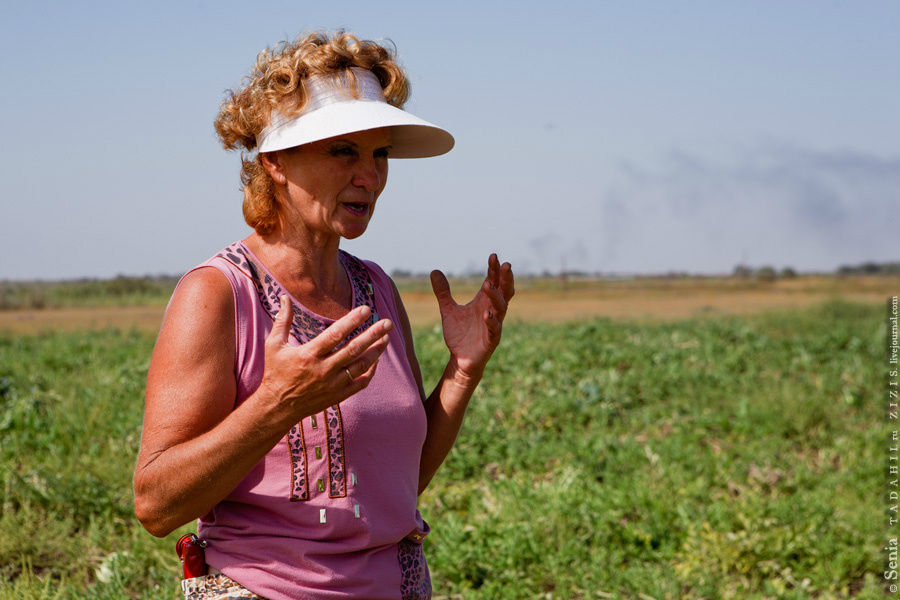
(472, 331)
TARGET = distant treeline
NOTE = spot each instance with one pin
(157, 289)
(765, 272)
(871, 268)
(770, 273)
(121, 290)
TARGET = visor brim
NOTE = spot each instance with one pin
(411, 137)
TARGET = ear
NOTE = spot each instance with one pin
(272, 165)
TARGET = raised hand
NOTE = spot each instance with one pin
(309, 378)
(472, 331)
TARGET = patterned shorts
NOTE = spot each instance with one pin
(215, 586)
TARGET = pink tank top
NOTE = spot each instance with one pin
(330, 511)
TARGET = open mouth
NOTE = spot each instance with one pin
(356, 208)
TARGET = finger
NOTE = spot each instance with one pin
(377, 333)
(364, 367)
(369, 373)
(325, 343)
(361, 382)
(441, 288)
(281, 330)
(493, 274)
(507, 281)
(496, 298)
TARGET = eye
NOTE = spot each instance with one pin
(342, 150)
(382, 152)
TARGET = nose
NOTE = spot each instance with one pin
(369, 175)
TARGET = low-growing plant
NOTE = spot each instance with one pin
(720, 458)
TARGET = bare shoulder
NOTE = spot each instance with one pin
(191, 384)
(203, 294)
(200, 316)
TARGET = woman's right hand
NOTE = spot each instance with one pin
(304, 380)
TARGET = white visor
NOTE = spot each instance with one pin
(332, 110)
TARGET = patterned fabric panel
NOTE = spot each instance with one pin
(336, 479)
(305, 327)
(362, 288)
(415, 580)
(215, 587)
(299, 484)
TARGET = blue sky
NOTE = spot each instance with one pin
(627, 137)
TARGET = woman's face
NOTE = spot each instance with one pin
(331, 185)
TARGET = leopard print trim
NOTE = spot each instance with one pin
(415, 580)
(336, 479)
(297, 446)
(363, 291)
(216, 586)
(305, 327)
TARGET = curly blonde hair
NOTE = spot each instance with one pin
(277, 83)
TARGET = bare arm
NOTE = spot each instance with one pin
(445, 408)
(196, 447)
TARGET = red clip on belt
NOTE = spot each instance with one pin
(193, 558)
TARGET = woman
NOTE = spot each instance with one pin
(285, 407)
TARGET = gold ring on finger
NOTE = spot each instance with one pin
(349, 376)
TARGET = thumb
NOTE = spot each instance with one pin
(441, 288)
(282, 328)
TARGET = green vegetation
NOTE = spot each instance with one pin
(722, 458)
(122, 290)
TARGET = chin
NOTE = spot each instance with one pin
(351, 233)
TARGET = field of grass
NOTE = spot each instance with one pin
(723, 457)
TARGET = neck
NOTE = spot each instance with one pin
(305, 263)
